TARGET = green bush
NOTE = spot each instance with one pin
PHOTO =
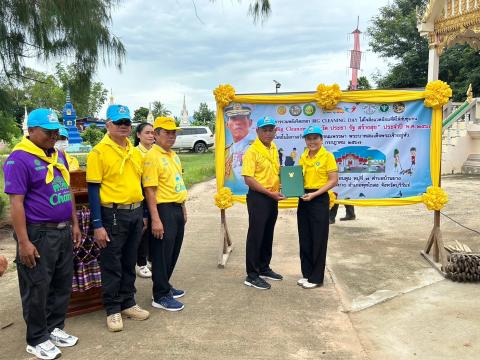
(3, 205)
(93, 135)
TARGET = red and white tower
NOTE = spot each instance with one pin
(355, 57)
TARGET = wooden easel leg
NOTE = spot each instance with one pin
(226, 241)
(435, 241)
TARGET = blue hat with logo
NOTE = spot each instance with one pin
(118, 112)
(266, 121)
(44, 118)
(63, 131)
(313, 130)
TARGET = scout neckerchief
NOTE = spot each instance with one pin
(311, 161)
(125, 156)
(29, 147)
(269, 154)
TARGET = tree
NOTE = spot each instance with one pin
(362, 83)
(258, 9)
(203, 116)
(140, 114)
(394, 35)
(92, 135)
(159, 109)
(47, 29)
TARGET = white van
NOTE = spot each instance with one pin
(196, 138)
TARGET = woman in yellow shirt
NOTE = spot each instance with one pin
(320, 174)
(144, 141)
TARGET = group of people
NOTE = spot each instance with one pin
(137, 204)
(136, 197)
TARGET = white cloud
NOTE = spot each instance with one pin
(171, 52)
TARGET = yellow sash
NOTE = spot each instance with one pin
(269, 154)
(125, 156)
(29, 147)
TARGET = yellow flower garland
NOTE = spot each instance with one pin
(224, 94)
(437, 94)
(435, 198)
(332, 197)
(224, 198)
(328, 96)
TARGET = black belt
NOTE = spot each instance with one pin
(123, 206)
(171, 203)
(57, 226)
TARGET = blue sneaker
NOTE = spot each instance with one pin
(168, 303)
(176, 293)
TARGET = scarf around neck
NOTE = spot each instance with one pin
(124, 155)
(270, 154)
(29, 147)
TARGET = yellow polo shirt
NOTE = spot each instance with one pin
(262, 169)
(163, 170)
(316, 169)
(104, 165)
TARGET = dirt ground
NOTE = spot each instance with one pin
(381, 300)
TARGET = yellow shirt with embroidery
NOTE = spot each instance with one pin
(103, 167)
(261, 168)
(316, 169)
(163, 170)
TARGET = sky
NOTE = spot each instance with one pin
(176, 49)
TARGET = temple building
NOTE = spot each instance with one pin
(184, 115)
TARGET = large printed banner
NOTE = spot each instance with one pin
(382, 150)
(387, 143)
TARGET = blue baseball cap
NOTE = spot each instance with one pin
(266, 121)
(313, 130)
(44, 118)
(118, 112)
(63, 131)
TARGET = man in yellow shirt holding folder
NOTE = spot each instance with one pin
(260, 170)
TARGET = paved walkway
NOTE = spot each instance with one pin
(384, 302)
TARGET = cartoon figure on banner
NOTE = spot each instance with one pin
(280, 156)
(396, 161)
(238, 123)
(290, 160)
(413, 157)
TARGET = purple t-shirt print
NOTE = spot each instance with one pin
(25, 175)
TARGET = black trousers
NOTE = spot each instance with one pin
(349, 211)
(165, 251)
(117, 260)
(45, 289)
(144, 248)
(312, 220)
(262, 216)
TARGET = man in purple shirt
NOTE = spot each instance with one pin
(45, 225)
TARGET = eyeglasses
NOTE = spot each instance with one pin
(50, 133)
(121, 122)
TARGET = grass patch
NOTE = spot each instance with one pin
(197, 167)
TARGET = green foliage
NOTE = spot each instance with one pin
(204, 116)
(93, 135)
(159, 109)
(363, 84)
(394, 35)
(9, 129)
(49, 29)
(140, 114)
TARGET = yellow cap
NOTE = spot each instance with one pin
(167, 123)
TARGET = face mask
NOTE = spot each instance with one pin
(61, 145)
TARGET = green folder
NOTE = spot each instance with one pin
(291, 178)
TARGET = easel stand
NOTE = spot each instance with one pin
(226, 241)
(439, 257)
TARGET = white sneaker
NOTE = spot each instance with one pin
(309, 285)
(302, 281)
(143, 271)
(61, 339)
(45, 350)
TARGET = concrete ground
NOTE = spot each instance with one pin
(381, 300)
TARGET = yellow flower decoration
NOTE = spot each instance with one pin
(224, 198)
(437, 94)
(435, 198)
(224, 94)
(332, 197)
(328, 96)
